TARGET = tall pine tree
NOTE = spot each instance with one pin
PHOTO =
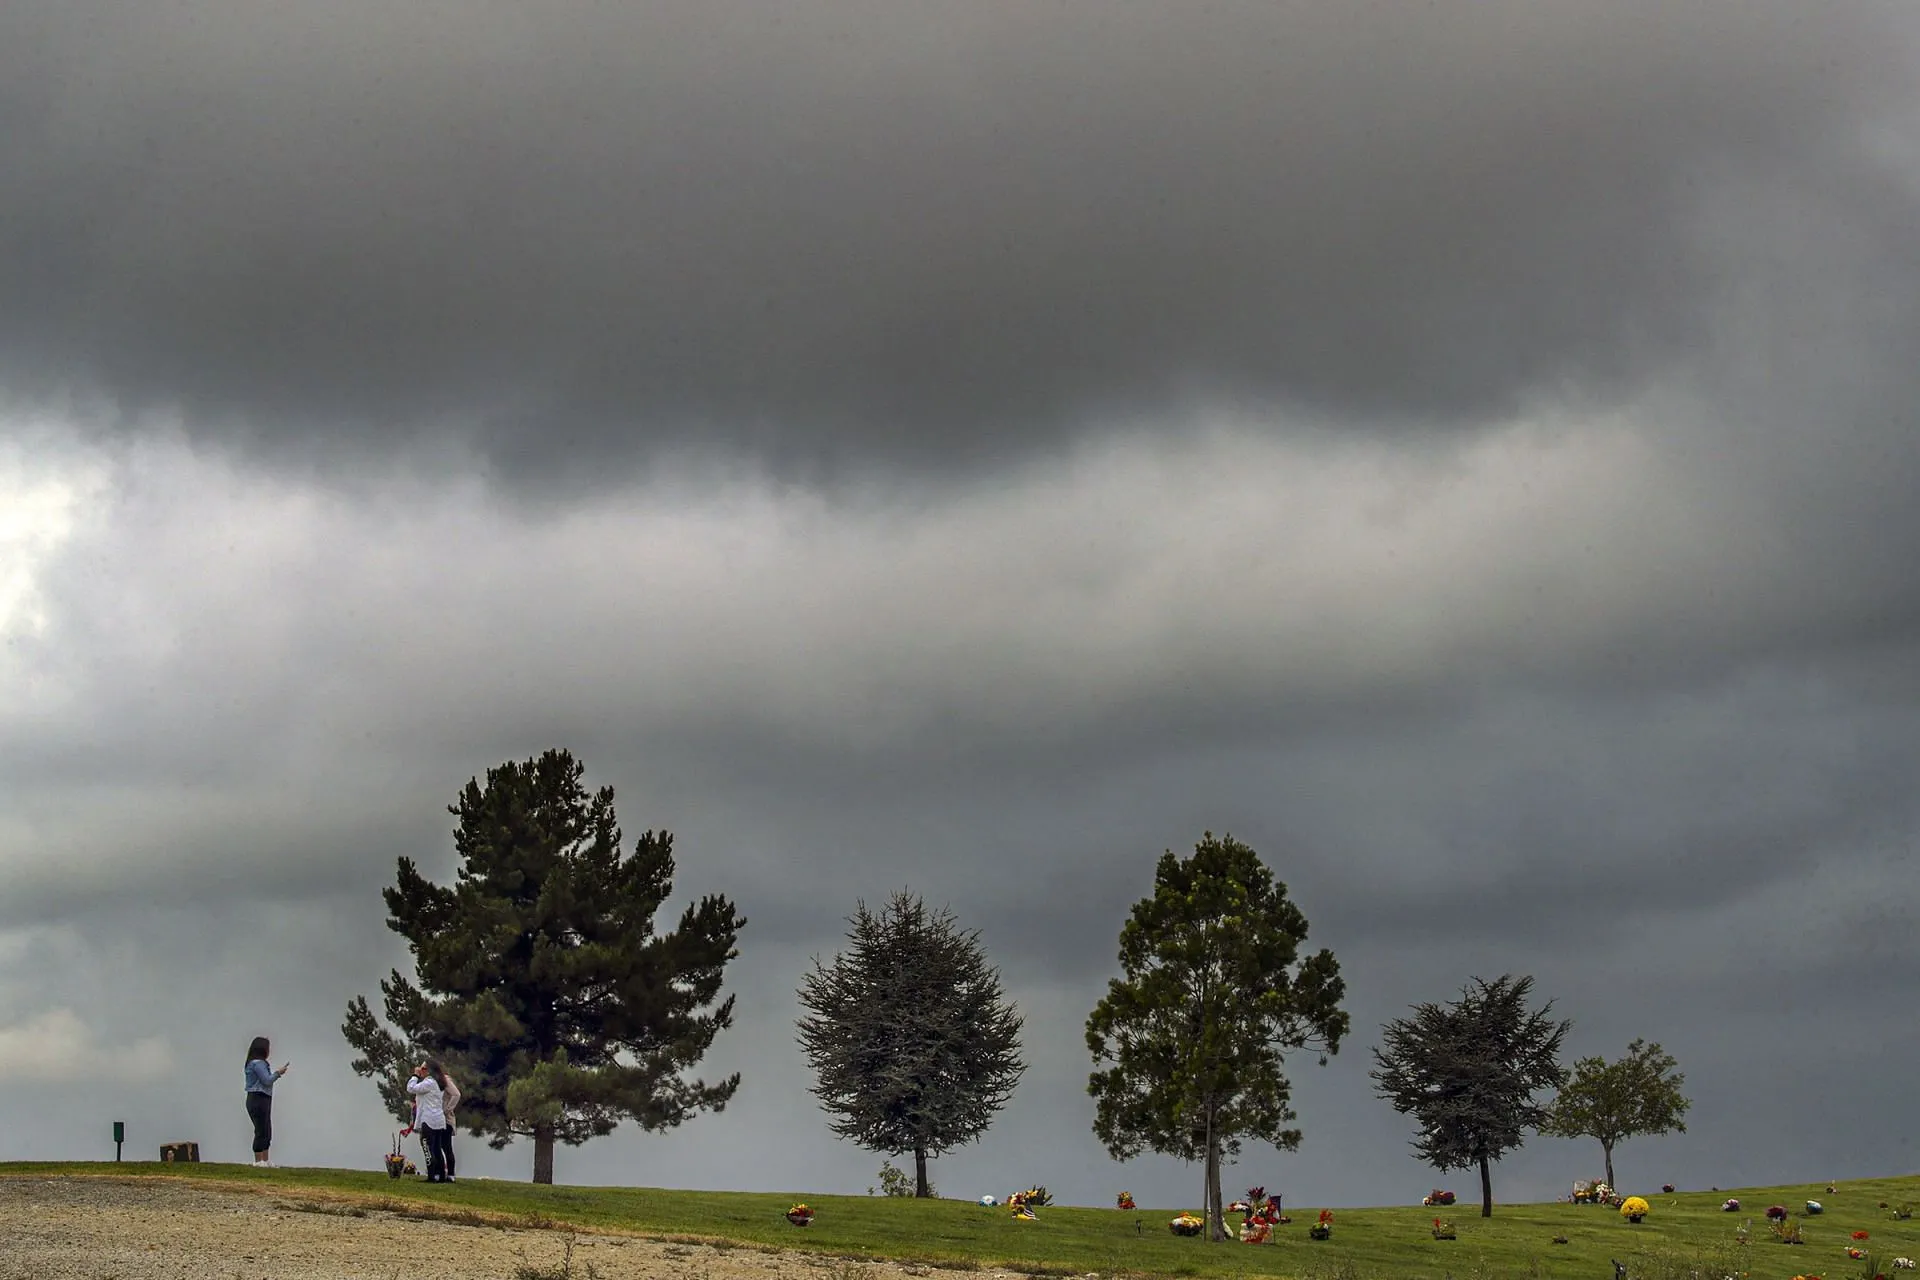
(913, 1045)
(1215, 994)
(542, 984)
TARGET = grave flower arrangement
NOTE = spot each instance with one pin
(1776, 1213)
(1125, 1201)
(800, 1216)
(1186, 1224)
(1633, 1208)
(1323, 1229)
(1437, 1197)
(1731, 1206)
(1443, 1230)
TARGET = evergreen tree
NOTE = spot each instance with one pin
(542, 984)
(1214, 996)
(1614, 1101)
(1467, 1072)
(913, 1045)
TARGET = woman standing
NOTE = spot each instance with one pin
(260, 1078)
(449, 1102)
(429, 1090)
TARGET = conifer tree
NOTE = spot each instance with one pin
(912, 1043)
(541, 982)
(1467, 1072)
(1215, 993)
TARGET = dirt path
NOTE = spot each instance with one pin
(156, 1229)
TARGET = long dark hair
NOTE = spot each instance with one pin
(258, 1049)
(438, 1072)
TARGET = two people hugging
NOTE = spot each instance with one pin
(435, 1096)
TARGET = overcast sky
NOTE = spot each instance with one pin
(1467, 452)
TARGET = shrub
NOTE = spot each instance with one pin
(895, 1181)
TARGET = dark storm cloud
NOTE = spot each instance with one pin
(847, 233)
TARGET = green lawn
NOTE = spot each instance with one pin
(1685, 1232)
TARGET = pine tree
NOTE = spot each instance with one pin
(1215, 994)
(913, 1045)
(1467, 1072)
(542, 984)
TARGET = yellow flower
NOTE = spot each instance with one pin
(1634, 1207)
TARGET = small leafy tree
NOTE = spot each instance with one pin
(1214, 994)
(913, 1045)
(542, 984)
(1614, 1101)
(1467, 1072)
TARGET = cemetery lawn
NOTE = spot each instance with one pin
(1684, 1232)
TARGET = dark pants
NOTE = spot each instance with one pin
(439, 1154)
(260, 1111)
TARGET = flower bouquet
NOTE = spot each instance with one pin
(1443, 1230)
(1814, 1206)
(1125, 1201)
(1438, 1197)
(1776, 1213)
(1732, 1205)
(800, 1215)
(1666, 1189)
(1323, 1229)
(1186, 1224)
(1633, 1208)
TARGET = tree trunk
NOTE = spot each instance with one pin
(543, 1154)
(1216, 1217)
(920, 1189)
(1608, 1148)
(1486, 1188)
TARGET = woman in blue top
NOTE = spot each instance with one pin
(260, 1078)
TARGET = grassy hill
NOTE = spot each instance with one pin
(1687, 1235)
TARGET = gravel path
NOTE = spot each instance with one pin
(156, 1229)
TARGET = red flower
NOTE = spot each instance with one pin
(1326, 1216)
(1436, 1222)
(1859, 1235)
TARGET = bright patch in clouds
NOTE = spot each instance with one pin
(56, 1045)
(39, 509)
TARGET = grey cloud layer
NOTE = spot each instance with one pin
(855, 233)
(1614, 682)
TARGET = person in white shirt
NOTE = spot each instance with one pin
(429, 1090)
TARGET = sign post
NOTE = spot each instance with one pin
(119, 1136)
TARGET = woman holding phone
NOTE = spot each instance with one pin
(260, 1080)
